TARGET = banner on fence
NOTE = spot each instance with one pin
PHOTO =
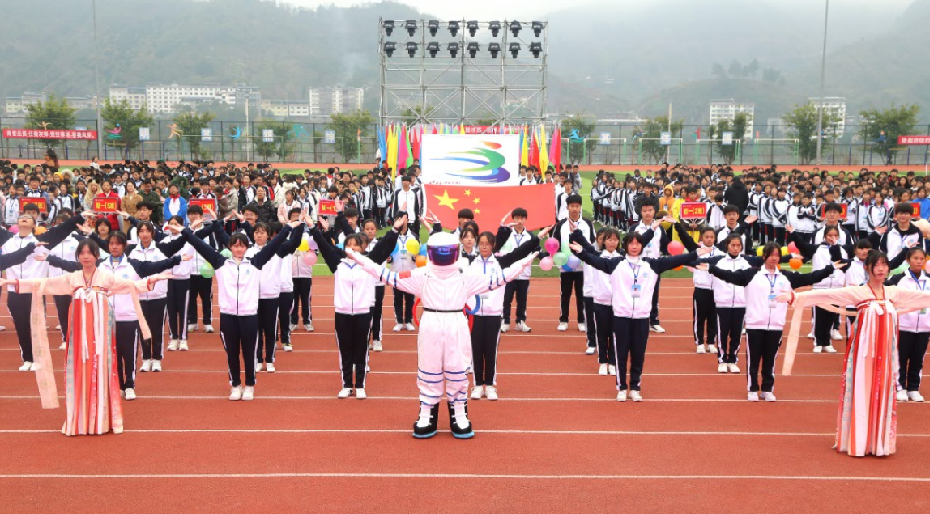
(206, 135)
(38, 202)
(49, 134)
(329, 137)
(470, 159)
(145, 134)
(914, 140)
(267, 136)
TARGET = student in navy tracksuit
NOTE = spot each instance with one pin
(765, 316)
(633, 279)
(238, 281)
(353, 296)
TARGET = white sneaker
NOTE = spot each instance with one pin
(621, 396)
(288, 348)
(769, 397)
(360, 393)
(64, 346)
(523, 327)
(410, 327)
(2, 328)
(590, 350)
(249, 393)
(602, 369)
(172, 345)
(270, 368)
(721, 368)
(635, 396)
(57, 327)
(377, 346)
(818, 349)
(733, 368)
(308, 326)
(701, 349)
(914, 396)
(146, 365)
(35, 367)
(192, 327)
(829, 349)
(26, 366)
(611, 369)
(835, 335)
(711, 349)
(753, 396)
(901, 396)
(582, 327)
(183, 345)
(235, 394)
(491, 393)
(208, 329)
(293, 327)
(477, 392)
(130, 394)
(258, 367)
(156, 365)
(505, 327)
(811, 335)
(657, 329)
(345, 392)
(562, 327)
(398, 327)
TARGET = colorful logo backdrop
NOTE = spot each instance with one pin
(480, 159)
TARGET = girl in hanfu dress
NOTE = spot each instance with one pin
(91, 383)
(867, 420)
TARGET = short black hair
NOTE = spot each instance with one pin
(573, 199)
(730, 208)
(467, 214)
(519, 211)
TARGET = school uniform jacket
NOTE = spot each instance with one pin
(354, 288)
(917, 321)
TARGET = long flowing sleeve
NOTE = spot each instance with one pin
(841, 296)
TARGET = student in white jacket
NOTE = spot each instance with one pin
(914, 328)
(704, 311)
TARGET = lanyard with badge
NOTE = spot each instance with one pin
(773, 279)
(637, 290)
(921, 285)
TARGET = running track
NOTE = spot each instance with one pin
(555, 442)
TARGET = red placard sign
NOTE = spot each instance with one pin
(49, 134)
(207, 204)
(916, 207)
(914, 140)
(106, 204)
(327, 208)
(38, 202)
(693, 210)
(823, 212)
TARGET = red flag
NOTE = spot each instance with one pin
(491, 203)
(415, 142)
(534, 150)
(555, 149)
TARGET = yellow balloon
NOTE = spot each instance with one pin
(759, 251)
(304, 245)
(413, 246)
(784, 251)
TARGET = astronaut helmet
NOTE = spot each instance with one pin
(442, 249)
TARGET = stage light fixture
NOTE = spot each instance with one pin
(473, 49)
(454, 49)
(537, 28)
(495, 27)
(536, 49)
(494, 48)
(433, 48)
(514, 49)
(412, 48)
(411, 26)
(515, 27)
(388, 26)
(433, 27)
(389, 47)
(453, 28)
(472, 27)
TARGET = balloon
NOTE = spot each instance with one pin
(792, 248)
(421, 261)
(39, 231)
(552, 245)
(676, 248)
(423, 250)
(927, 267)
(206, 271)
(795, 263)
(339, 245)
(313, 245)
(679, 268)
(309, 258)
(545, 263)
(573, 262)
(759, 251)
(14, 229)
(413, 246)
(784, 251)
(560, 259)
(304, 245)
(226, 253)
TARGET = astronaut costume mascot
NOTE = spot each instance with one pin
(444, 342)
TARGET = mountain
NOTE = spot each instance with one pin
(603, 59)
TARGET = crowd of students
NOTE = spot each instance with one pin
(267, 228)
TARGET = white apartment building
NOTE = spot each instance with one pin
(134, 96)
(19, 104)
(335, 100)
(14, 105)
(166, 98)
(835, 106)
(728, 109)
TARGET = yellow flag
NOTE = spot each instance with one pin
(524, 150)
(543, 153)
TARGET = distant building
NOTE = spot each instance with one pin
(134, 96)
(728, 109)
(835, 106)
(776, 128)
(167, 98)
(14, 105)
(19, 104)
(335, 100)
(82, 102)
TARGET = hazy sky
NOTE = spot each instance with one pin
(500, 9)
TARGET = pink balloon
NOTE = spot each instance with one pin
(14, 229)
(792, 248)
(552, 245)
(310, 258)
(545, 263)
(927, 267)
(676, 248)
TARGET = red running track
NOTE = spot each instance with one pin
(556, 441)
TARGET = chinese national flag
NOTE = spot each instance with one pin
(491, 203)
